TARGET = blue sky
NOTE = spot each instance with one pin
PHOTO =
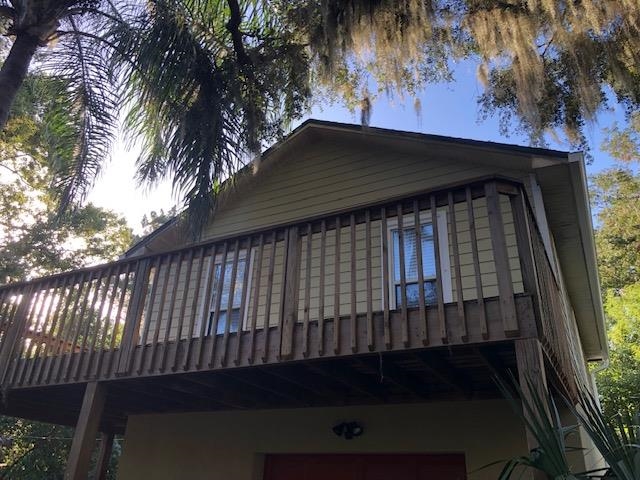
(447, 109)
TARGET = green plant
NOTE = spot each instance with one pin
(616, 439)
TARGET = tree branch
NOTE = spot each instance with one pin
(233, 26)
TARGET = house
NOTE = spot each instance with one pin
(343, 316)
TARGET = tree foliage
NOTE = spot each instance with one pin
(207, 84)
(620, 383)
(34, 240)
(616, 196)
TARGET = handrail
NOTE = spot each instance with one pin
(317, 287)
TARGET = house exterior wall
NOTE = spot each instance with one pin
(326, 177)
(330, 178)
(232, 445)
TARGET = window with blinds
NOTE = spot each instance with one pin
(410, 243)
(427, 244)
(224, 275)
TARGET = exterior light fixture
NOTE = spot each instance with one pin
(348, 430)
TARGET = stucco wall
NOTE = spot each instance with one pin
(231, 445)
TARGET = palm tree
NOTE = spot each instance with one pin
(64, 39)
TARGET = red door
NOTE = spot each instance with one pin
(365, 467)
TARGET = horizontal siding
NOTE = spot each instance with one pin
(329, 178)
(324, 178)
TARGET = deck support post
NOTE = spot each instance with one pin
(132, 321)
(290, 298)
(501, 259)
(532, 378)
(104, 455)
(84, 436)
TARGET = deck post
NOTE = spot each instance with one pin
(131, 329)
(532, 378)
(501, 259)
(84, 436)
(290, 297)
(104, 455)
(524, 230)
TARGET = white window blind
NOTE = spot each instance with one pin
(224, 276)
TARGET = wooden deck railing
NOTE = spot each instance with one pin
(323, 287)
(558, 331)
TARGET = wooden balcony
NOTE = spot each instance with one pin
(290, 302)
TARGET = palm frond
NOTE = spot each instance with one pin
(541, 418)
(617, 439)
(91, 93)
(205, 93)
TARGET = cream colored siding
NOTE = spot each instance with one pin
(277, 286)
(345, 272)
(231, 445)
(194, 301)
(334, 176)
(485, 250)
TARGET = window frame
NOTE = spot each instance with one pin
(205, 311)
(408, 221)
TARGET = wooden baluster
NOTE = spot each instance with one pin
(172, 305)
(439, 292)
(243, 301)
(206, 308)
(75, 322)
(322, 280)
(107, 320)
(403, 277)
(12, 338)
(256, 299)
(385, 278)
(369, 280)
(229, 306)
(283, 286)
(424, 321)
(183, 309)
(37, 321)
(205, 314)
(84, 299)
(501, 258)
(353, 321)
(194, 307)
(87, 329)
(476, 264)
(218, 301)
(5, 307)
(290, 293)
(156, 330)
(44, 336)
(307, 291)
(267, 308)
(57, 325)
(456, 260)
(116, 321)
(134, 315)
(336, 287)
(108, 301)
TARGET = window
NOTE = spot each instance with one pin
(223, 275)
(427, 244)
